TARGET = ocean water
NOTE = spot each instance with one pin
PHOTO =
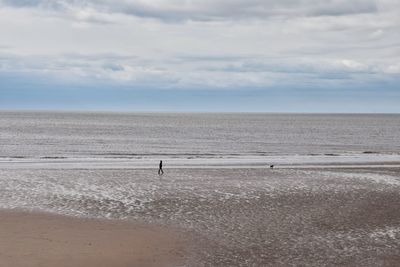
(136, 139)
(217, 184)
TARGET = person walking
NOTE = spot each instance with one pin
(160, 170)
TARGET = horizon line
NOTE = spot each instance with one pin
(189, 111)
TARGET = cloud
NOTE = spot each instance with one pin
(203, 10)
(5, 47)
(213, 44)
(199, 71)
(393, 69)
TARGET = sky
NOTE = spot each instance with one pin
(201, 55)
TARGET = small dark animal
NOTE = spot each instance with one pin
(271, 166)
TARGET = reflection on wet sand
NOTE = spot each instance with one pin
(239, 217)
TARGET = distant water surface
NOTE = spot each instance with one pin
(57, 134)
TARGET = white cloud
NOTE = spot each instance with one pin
(393, 69)
(206, 43)
(353, 65)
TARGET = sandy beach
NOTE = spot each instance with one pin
(39, 239)
(237, 217)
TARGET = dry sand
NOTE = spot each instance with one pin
(35, 239)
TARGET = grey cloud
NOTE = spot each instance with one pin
(5, 47)
(49, 4)
(22, 3)
(337, 8)
(238, 72)
(113, 67)
(104, 67)
(313, 45)
(206, 10)
(237, 9)
(208, 58)
(288, 68)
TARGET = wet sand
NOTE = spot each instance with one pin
(238, 217)
(37, 239)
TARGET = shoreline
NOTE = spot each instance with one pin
(46, 239)
(228, 163)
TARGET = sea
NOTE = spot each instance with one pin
(331, 198)
(197, 139)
